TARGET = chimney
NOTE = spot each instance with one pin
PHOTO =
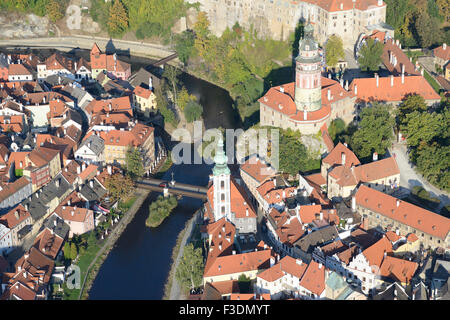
(398, 203)
(356, 90)
(341, 82)
(78, 170)
(403, 78)
(83, 166)
(91, 183)
(320, 265)
(444, 46)
(57, 183)
(392, 80)
(109, 168)
(281, 89)
(329, 94)
(353, 204)
(375, 156)
(343, 158)
(305, 115)
(346, 85)
(377, 79)
(246, 212)
(422, 72)
(403, 68)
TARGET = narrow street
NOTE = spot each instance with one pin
(410, 178)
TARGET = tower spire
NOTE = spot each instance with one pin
(220, 160)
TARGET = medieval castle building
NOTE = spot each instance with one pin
(312, 100)
(276, 19)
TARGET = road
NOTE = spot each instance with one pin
(410, 178)
(68, 43)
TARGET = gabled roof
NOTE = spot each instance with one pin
(314, 278)
(335, 156)
(442, 53)
(14, 217)
(257, 169)
(403, 212)
(368, 91)
(238, 263)
(376, 252)
(398, 269)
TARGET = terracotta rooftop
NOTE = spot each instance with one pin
(367, 89)
(257, 169)
(14, 217)
(403, 212)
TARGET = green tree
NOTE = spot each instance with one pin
(119, 187)
(184, 98)
(54, 10)
(370, 55)
(118, 18)
(427, 29)
(135, 168)
(422, 127)
(293, 155)
(375, 131)
(67, 253)
(73, 251)
(244, 283)
(160, 209)
(172, 75)
(410, 103)
(433, 162)
(190, 269)
(202, 34)
(334, 50)
(193, 111)
(184, 45)
(337, 127)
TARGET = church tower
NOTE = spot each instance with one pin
(308, 95)
(221, 181)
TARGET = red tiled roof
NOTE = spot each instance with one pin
(375, 253)
(335, 156)
(441, 53)
(367, 89)
(284, 101)
(15, 216)
(221, 235)
(405, 213)
(142, 92)
(314, 278)
(18, 70)
(398, 269)
(238, 263)
(258, 170)
(48, 243)
(335, 5)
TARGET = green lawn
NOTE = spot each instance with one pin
(431, 81)
(83, 263)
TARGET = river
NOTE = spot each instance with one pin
(138, 266)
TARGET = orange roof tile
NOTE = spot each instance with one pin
(14, 217)
(238, 263)
(314, 278)
(367, 89)
(403, 212)
(335, 156)
(398, 269)
(442, 53)
(258, 170)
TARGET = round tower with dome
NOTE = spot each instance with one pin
(308, 96)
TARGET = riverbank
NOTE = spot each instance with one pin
(172, 288)
(102, 254)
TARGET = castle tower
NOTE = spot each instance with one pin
(308, 96)
(221, 180)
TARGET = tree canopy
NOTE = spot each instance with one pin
(193, 111)
(119, 187)
(135, 168)
(190, 269)
(375, 131)
(334, 50)
(370, 55)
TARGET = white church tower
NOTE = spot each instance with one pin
(221, 181)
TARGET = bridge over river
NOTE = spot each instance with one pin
(173, 187)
